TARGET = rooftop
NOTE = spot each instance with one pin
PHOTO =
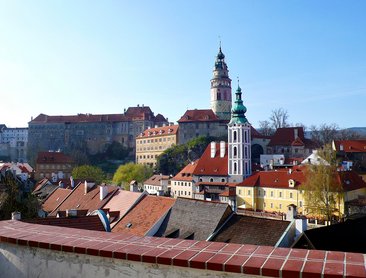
(199, 115)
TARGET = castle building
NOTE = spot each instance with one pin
(90, 133)
(13, 143)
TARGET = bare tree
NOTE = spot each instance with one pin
(279, 118)
(326, 133)
(265, 128)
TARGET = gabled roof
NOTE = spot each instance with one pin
(252, 230)
(156, 179)
(286, 136)
(142, 218)
(348, 236)
(159, 131)
(89, 201)
(55, 199)
(186, 174)
(53, 158)
(212, 166)
(194, 219)
(350, 180)
(350, 146)
(275, 179)
(122, 201)
(39, 185)
(199, 115)
(91, 222)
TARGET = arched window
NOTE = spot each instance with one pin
(234, 135)
(211, 179)
(235, 168)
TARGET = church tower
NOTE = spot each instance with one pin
(221, 88)
(239, 142)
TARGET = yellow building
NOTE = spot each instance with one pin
(153, 141)
(274, 191)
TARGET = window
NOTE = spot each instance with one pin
(211, 179)
(235, 168)
(271, 193)
(222, 180)
(264, 204)
(259, 192)
(264, 193)
(280, 194)
(248, 192)
(280, 206)
(291, 195)
(271, 205)
(300, 204)
(239, 191)
(235, 152)
(234, 135)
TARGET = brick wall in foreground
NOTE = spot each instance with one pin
(28, 250)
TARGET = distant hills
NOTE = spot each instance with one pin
(359, 130)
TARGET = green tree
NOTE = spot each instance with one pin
(322, 188)
(88, 172)
(14, 199)
(131, 171)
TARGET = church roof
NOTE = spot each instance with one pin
(238, 111)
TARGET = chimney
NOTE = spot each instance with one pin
(61, 184)
(72, 182)
(213, 149)
(16, 215)
(341, 147)
(222, 149)
(296, 133)
(103, 191)
(87, 186)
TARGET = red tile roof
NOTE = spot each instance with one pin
(186, 173)
(144, 215)
(216, 166)
(40, 184)
(79, 118)
(55, 199)
(350, 180)
(82, 222)
(286, 137)
(122, 201)
(199, 115)
(53, 158)
(351, 146)
(275, 179)
(156, 179)
(159, 131)
(90, 201)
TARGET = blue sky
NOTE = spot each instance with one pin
(69, 57)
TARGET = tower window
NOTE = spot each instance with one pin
(235, 168)
(235, 152)
(234, 135)
(219, 96)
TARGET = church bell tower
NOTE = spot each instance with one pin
(239, 142)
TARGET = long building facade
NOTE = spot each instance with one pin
(90, 133)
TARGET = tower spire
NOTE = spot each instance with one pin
(239, 110)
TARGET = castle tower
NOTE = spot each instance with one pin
(221, 88)
(239, 142)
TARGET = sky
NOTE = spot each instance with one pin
(68, 57)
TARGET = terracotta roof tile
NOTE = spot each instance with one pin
(53, 158)
(199, 115)
(55, 199)
(156, 179)
(84, 222)
(186, 173)
(144, 215)
(216, 166)
(90, 201)
(159, 131)
(286, 136)
(122, 201)
(351, 146)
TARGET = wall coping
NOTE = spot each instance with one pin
(215, 256)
